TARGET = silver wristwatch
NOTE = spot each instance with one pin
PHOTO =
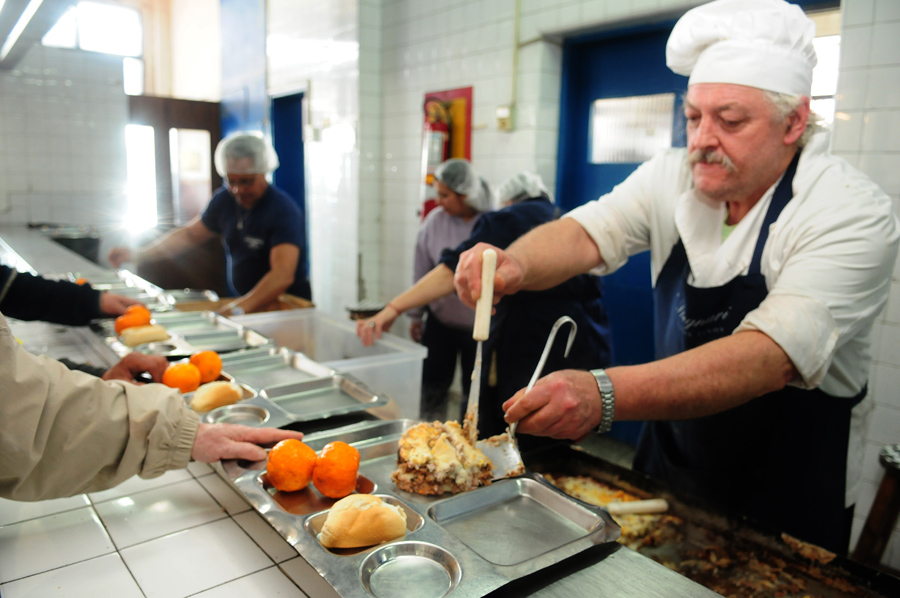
(607, 400)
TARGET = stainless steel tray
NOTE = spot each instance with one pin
(467, 544)
(303, 401)
(265, 367)
(174, 296)
(185, 342)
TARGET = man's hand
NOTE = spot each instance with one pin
(119, 255)
(563, 404)
(137, 363)
(215, 442)
(115, 305)
(507, 279)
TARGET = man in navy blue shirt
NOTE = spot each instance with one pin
(262, 228)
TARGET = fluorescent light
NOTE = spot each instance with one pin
(19, 27)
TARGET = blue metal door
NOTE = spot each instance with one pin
(622, 64)
(287, 138)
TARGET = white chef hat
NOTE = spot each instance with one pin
(765, 44)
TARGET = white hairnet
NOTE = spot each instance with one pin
(245, 152)
(461, 178)
(523, 186)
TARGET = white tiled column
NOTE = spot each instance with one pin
(867, 133)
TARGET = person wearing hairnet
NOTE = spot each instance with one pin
(522, 322)
(770, 260)
(262, 228)
(462, 197)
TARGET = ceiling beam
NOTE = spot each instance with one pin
(43, 16)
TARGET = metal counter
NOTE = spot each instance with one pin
(603, 571)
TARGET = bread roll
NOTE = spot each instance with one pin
(138, 335)
(362, 520)
(215, 394)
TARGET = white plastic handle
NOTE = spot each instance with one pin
(653, 505)
(483, 306)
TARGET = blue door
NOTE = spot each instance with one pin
(621, 64)
(287, 138)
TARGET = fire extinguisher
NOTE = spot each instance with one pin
(435, 148)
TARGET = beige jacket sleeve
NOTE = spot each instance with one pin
(65, 432)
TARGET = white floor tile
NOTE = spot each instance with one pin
(136, 484)
(154, 513)
(39, 545)
(12, 511)
(309, 580)
(194, 560)
(265, 535)
(224, 494)
(102, 576)
(269, 583)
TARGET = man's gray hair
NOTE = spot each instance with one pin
(784, 104)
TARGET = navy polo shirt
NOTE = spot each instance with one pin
(250, 235)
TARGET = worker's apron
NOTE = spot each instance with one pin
(780, 458)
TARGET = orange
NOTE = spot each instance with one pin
(336, 469)
(183, 376)
(209, 363)
(129, 320)
(81, 281)
(290, 465)
(139, 309)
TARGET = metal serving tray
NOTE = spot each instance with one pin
(186, 342)
(174, 296)
(303, 401)
(467, 544)
(272, 366)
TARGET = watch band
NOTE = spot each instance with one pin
(607, 400)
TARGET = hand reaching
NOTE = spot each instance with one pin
(215, 442)
(115, 305)
(119, 255)
(133, 364)
(371, 328)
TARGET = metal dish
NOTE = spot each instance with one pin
(246, 415)
(174, 296)
(320, 398)
(436, 558)
(272, 367)
(314, 524)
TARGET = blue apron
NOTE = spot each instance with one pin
(781, 458)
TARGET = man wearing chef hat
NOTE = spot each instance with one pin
(770, 260)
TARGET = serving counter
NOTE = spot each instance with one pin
(208, 520)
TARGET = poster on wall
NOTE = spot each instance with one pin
(446, 133)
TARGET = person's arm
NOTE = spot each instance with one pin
(68, 433)
(283, 260)
(434, 285)
(545, 257)
(711, 378)
(170, 245)
(28, 297)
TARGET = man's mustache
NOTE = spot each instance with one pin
(710, 157)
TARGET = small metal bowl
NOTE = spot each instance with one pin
(248, 415)
(410, 569)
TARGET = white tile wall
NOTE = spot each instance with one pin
(868, 93)
(62, 138)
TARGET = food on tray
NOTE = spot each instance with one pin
(138, 308)
(336, 469)
(436, 457)
(131, 320)
(209, 363)
(638, 530)
(290, 465)
(215, 394)
(362, 520)
(81, 281)
(809, 551)
(183, 376)
(138, 335)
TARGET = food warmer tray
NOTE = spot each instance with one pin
(467, 544)
(271, 366)
(296, 402)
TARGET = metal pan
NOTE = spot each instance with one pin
(261, 368)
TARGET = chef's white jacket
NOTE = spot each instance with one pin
(827, 263)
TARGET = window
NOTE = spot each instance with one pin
(97, 27)
(140, 150)
(631, 129)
